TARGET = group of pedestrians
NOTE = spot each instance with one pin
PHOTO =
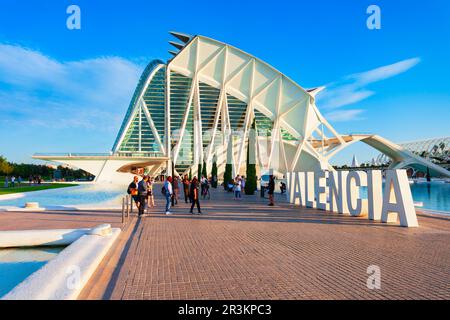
(11, 181)
(238, 185)
(143, 195)
(190, 188)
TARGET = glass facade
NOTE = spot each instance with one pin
(140, 139)
(209, 99)
(179, 97)
(137, 92)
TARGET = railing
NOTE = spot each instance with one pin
(127, 208)
(116, 154)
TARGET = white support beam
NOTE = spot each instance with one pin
(153, 127)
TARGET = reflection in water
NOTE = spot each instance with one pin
(433, 195)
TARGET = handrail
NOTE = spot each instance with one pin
(118, 154)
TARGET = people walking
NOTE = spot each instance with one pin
(13, 181)
(6, 182)
(142, 190)
(168, 192)
(186, 188)
(271, 188)
(193, 192)
(205, 188)
(132, 190)
(237, 188)
(283, 187)
(202, 184)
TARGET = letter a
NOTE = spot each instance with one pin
(374, 20)
(74, 20)
(397, 186)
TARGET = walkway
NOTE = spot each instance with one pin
(247, 250)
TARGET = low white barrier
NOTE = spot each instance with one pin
(63, 277)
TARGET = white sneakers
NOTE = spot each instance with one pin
(168, 212)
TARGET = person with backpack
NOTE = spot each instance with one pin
(167, 191)
(195, 199)
(132, 190)
(142, 190)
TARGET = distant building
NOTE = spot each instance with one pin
(355, 163)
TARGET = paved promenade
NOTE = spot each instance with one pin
(247, 250)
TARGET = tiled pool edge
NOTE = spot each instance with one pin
(64, 277)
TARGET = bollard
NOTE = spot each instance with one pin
(128, 208)
(123, 210)
(127, 205)
(131, 205)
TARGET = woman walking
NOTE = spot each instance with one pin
(186, 188)
(175, 190)
(193, 192)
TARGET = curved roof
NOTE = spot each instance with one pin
(250, 80)
(152, 66)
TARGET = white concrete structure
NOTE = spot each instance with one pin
(435, 150)
(200, 106)
(63, 277)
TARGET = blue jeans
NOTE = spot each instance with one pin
(168, 201)
(237, 194)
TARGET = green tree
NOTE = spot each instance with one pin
(214, 174)
(227, 176)
(204, 172)
(250, 183)
(199, 170)
(5, 167)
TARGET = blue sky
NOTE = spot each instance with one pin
(67, 90)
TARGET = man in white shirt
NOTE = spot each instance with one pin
(168, 191)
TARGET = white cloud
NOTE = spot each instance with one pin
(384, 72)
(352, 89)
(344, 115)
(41, 91)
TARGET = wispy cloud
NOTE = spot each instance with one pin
(41, 91)
(353, 89)
(344, 115)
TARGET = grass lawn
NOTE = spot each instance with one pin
(27, 188)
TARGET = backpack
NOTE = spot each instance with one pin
(163, 190)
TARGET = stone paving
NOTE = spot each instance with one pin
(247, 250)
